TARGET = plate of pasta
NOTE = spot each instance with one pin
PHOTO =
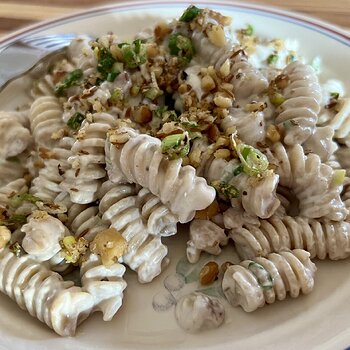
(178, 178)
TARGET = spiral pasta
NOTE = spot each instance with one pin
(46, 120)
(83, 180)
(43, 293)
(254, 283)
(258, 195)
(160, 221)
(104, 283)
(18, 186)
(141, 161)
(310, 180)
(250, 126)
(10, 171)
(47, 184)
(297, 115)
(321, 239)
(204, 236)
(145, 253)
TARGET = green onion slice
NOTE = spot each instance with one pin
(176, 146)
(190, 14)
(181, 46)
(254, 162)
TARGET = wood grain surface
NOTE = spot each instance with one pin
(15, 14)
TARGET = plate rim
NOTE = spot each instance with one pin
(328, 29)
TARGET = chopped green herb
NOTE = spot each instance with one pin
(254, 162)
(70, 80)
(249, 31)
(134, 54)
(176, 146)
(105, 65)
(189, 124)
(75, 121)
(14, 219)
(272, 59)
(227, 190)
(238, 170)
(18, 199)
(262, 275)
(181, 46)
(14, 159)
(334, 95)
(190, 14)
(17, 249)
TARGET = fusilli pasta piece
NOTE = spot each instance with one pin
(310, 180)
(47, 184)
(104, 283)
(18, 186)
(84, 179)
(254, 283)
(140, 160)
(250, 126)
(160, 221)
(297, 115)
(204, 236)
(321, 239)
(46, 120)
(145, 253)
(43, 234)
(258, 195)
(340, 123)
(43, 293)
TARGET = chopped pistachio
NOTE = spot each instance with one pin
(272, 59)
(227, 190)
(338, 177)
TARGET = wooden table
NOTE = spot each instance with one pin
(15, 14)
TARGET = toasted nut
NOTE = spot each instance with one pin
(5, 236)
(255, 107)
(213, 133)
(157, 71)
(225, 68)
(209, 273)
(273, 134)
(222, 101)
(224, 266)
(142, 114)
(110, 245)
(222, 153)
(207, 83)
(161, 30)
(119, 138)
(216, 35)
(152, 50)
(183, 88)
(209, 212)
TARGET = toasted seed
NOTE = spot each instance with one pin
(272, 133)
(225, 68)
(209, 273)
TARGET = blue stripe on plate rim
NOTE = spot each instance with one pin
(319, 26)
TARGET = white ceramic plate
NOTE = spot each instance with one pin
(318, 321)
